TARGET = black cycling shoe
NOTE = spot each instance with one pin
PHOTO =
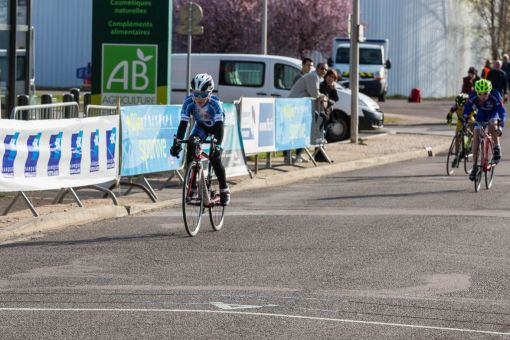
(473, 173)
(497, 154)
(225, 197)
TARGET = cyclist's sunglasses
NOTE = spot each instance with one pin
(482, 93)
(198, 94)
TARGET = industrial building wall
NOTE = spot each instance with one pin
(63, 41)
(429, 43)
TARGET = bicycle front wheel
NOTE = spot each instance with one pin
(452, 156)
(468, 155)
(489, 174)
(192, 200)
(216, 210)
(478, 178)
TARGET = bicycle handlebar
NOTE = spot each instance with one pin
(197, 140)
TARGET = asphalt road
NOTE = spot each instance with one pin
(400, 251)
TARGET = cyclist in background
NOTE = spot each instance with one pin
(209, 116)
(458, 109)
(490, 108)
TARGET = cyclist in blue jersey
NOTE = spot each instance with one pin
(208, 114)
(490, 108)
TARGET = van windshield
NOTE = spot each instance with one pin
(367, 56)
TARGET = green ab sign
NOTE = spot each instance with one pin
(129, 72)
(131, 51)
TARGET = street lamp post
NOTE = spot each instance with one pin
(264, 26)
(354, 74)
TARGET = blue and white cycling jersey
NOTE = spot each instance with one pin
(492, 108)
(206, 115)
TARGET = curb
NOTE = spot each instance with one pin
(289, 178)
(79, 216)
(61, 220)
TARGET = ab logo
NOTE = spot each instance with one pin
(129, 71)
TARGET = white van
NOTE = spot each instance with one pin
(257, 75)
(236, 75)
(373, 65)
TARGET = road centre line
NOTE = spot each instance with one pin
(145, 310)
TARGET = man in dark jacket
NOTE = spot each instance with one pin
(498, 79)
(506, 67)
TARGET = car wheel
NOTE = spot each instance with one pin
(382, 97)
(338, 128)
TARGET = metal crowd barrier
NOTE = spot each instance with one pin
(59, 111)
(92, 111)
(103, 110)
(46, 111)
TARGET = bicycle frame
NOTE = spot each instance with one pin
(487, 142)
(198, 156)
(199, 192)
(486, 153)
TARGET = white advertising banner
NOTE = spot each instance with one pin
(58, 153)
(257, 125)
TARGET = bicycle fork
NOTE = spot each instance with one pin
(205, 190)
(485, 155)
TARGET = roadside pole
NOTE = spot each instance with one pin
(264, 27)
(190, 17)
(354, 73)
(188, 62)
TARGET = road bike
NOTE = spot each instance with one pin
(460, 151)
(486, 154)
(201, 191)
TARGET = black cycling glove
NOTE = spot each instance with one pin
(176, 149)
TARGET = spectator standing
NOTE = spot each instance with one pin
(306, 67)
(328, 88)
(506, 68)
(468, 82)
(308, 86)
(486, 69)
(498, 78)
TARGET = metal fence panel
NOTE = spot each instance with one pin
(47, 111)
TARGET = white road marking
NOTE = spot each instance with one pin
(160, 310)
(231, 306)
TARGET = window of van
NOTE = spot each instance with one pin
(284, 76)
(242, 73)
(367, 56)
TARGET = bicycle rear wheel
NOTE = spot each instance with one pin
(489, 174)
(216, 210)
(192, 200)
(452, 155)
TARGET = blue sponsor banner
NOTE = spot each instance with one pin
(76, 153)
(9, 155)
(94, 151)
(55, 154)
(33, 155)
(111, 139)
(293, 118)
(147, 135)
